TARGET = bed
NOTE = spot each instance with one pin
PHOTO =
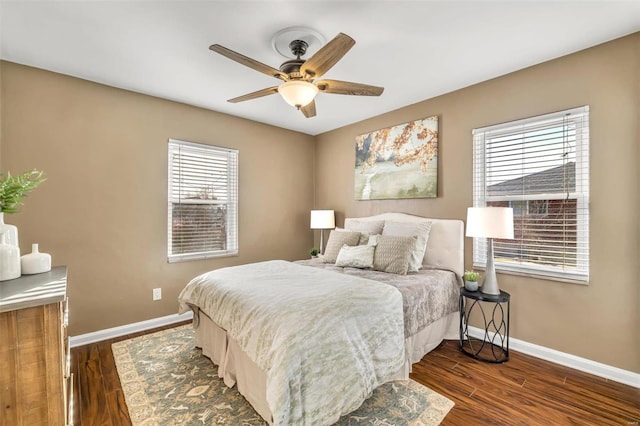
(360, 328)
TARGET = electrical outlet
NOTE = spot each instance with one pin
(157, 293)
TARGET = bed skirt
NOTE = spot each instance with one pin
(235, 367)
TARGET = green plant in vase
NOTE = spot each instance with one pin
(313, 252)
(13, 189)
(471, 280)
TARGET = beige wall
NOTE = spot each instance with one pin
(600, 321)
(103, 209)
(1, 91)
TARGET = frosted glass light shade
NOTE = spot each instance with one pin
(490, 222)
(323, 219)
(298, 93)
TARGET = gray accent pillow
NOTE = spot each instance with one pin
(392, 253)
(420, 230)
(337, 239)
(364, 236)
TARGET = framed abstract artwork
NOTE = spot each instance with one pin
(398, 162)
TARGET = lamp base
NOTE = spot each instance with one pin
(490, 287)
(490, 283)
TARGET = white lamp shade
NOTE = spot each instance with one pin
(490, 222)
(323, 219)
(298, 93)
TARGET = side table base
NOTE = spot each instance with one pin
(484, 351)
(491, 312)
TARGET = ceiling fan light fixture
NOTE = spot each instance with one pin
(298, 93)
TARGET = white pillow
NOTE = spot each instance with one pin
(355, 256)
(420, 230)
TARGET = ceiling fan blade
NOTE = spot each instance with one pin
(309, 110)
(327, 56)
(348, 88)
(254, 95)
(251, 63)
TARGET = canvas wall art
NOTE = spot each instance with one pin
(398, 162)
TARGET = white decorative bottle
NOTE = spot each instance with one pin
(35, 262)
(10, 230)
(9, 259)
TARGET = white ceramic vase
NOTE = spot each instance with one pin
(9, 259)
(35, 262)
(10, 230)
(471, 285)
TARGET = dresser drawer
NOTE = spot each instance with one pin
(33, 366)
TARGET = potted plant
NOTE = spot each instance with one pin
(12, 190)
(471, 280)
(313, 252)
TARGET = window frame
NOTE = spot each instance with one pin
(231, 218)
(579, 274)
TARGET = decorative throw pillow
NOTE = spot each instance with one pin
(420, 230)
(336, 240)
(392, 253)
(364, 226)
(364, 237)
(356, 256)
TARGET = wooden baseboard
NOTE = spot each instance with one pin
(588, 366)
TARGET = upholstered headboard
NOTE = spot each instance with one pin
(445, 247)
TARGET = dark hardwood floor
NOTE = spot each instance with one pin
(522, 391)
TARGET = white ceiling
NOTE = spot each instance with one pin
(415, 49)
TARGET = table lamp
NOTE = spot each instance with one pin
(322, 219)
(490, 223)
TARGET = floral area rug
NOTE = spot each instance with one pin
(167, 381)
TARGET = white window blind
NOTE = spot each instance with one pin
(540, 167)
(203, 201)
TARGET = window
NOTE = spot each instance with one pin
(203, 201)
(529, 207)
(540, 167)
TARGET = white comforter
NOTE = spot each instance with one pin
(325, 340)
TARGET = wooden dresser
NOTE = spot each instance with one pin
(36, 386)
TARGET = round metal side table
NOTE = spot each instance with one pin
(493, 312)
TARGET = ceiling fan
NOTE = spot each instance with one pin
(300, 77)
